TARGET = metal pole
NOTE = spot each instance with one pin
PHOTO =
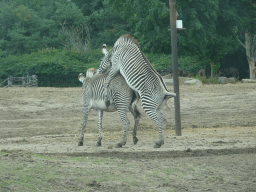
(173, 18)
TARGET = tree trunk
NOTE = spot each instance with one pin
(212, 69)
(250, 47)
(252, 68)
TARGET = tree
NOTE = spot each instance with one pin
(105, 25)
(76, 38)
(30, 25)
(209, 25)
(150, 22)
(246, 34)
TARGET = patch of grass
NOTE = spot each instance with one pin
(236, 80)
(3, 184)
(205, 80)
(213, 80)
(39, 172)
(172, 171)
(49, 173)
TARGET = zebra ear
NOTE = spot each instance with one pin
(104, 49)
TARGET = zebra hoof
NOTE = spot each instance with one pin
(119, 145)
(135, 140)
(98, 144)
(80, 143)
(158, 144)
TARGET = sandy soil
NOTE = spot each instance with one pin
(218, 121)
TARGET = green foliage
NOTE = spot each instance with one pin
(205, 80)
(149, 21)
(159, 61)
(209, 26)
(192, 63)
(106, 26)
(27, 28)
(53, 67)
(213, 80)
(34, 28)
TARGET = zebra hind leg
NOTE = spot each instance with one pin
(158, 118)
(126, 123)
(161, 123)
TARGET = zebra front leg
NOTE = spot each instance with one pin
(100, 113)
(85, 114)
(136, 115)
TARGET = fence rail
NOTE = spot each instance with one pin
(27, 81)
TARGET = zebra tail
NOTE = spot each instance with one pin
(169, 95)
(135, 99)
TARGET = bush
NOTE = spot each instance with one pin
(186, 63)
(159, 61)
(192, 63)
(53, 67)
(211, 80)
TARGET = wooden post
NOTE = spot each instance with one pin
(173, 18)
(10, 81)
(23, 81)
(34, 80)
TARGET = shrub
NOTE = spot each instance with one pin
(53, 67)
(211, 80)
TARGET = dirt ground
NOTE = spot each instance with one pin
(218, 130)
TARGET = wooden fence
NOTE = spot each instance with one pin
(27, 81)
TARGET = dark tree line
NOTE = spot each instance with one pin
(214, 28)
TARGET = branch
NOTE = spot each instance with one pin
(241, 42)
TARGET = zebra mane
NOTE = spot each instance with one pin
(90, 72)
(126, 39)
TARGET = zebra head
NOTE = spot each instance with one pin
(104, 49)
(81, 77)
(105, 64)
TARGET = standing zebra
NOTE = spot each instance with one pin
(122, 98)
(127, 58)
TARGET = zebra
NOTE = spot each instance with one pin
(121, 97)
(126, 58)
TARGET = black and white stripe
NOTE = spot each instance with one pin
(122, 99)
(126, 58)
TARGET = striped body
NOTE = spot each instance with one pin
(122, 98)
(126, 58)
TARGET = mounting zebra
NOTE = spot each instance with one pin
(127, 58)
(121, 96)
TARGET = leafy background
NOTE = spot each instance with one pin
(57, 40)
